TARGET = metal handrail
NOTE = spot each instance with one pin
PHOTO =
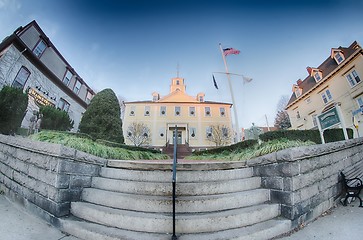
(174, 237)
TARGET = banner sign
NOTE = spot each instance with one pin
(329, 118)
(39, 98)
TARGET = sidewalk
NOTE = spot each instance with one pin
(340, 223)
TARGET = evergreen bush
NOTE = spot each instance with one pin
(13, 104)
(228, 149)
(55, 119)
(102, 118)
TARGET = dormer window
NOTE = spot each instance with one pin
(297, 90)
(338, 55)
(317, 76)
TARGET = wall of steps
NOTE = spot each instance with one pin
(212, 204)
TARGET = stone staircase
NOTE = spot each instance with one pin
(211, 204)
(183, 150)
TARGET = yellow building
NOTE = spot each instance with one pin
(338, 80)
(192, 115)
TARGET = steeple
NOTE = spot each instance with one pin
(177, 84)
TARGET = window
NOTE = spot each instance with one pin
(207, 111)
(222, 111)
(360, 102)
(208, 132)
(338, 57)
(298, 115)
(163, 111)
(201, 99)
(162, 132)
(192, 111)
(314, 119)
(353, 78)
(298, 92)
(67, 77)
(21, 77)
(147, 111)
(63, 105)
(39, 48)
(177, 111)
(326, 96)
(89, 97)
(77, 87)
(132, 111)
(308, 100)
(317, 76)
(193, 132)
(224, 132)
(177, 82)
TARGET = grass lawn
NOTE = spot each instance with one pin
(87, 145)
(252, 152)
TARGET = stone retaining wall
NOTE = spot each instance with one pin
(44, 177)
(305, 180)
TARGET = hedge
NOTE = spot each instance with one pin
(231, 148)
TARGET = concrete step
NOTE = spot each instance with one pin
(185, 223)
(182, 176)
(182, 189)
(184, 204)
(92, 231)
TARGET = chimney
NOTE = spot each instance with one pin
(309, 70)
(299, 82)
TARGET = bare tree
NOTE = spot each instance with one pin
(221, 135)
(139, 134)
(121, 101)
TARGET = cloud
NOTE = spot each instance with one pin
(12, 5)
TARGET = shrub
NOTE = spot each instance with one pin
(55, 119)
(330, 135)
(102, 118)
(13, 104)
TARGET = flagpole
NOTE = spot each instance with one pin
(230, 88)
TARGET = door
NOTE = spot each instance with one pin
(179, 137)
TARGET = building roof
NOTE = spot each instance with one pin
(327, 68)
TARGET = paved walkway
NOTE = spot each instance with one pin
(341, 223)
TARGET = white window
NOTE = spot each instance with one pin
(338, 57)
(222, 111)
(39, 48)
(89, 97)
(308, 100)
(193, 132)
(208, 132)
(77, 86)
(298, 115)
(192, 111)
(353, 78)
(207, 111)
(132, 111)
(201, 99)
(225, 132)
(21, 77)
(67, 77)
(147, 111)
(360, 102)
(313, 117)
(63, 105)
(177, 111)
(326, 96)
(162, 110)
(162, 132)
(298, 92)
(317, 76)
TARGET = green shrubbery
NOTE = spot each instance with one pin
(13, 104)
(102, 118)
(227, 149)
(55, 119)
(330, 135)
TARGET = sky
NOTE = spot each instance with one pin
(135, 47)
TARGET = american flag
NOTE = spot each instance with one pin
(228, 51)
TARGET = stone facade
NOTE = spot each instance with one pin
(48, 79)
(44, 176)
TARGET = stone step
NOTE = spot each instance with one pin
(182, 176)
(184, 204)
(182, 189)
(92, 231)
(185, 223)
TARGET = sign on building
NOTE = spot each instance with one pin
(329, 119)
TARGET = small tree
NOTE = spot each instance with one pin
(221, 135)
(55, 119)
(13, 104)
(102, 117)
(282, 120)
(138, 134)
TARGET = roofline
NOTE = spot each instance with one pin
(161, 103)
(348, 60)
(20, 45)
(20, 32)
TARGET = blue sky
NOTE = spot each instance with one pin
(134, 47)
